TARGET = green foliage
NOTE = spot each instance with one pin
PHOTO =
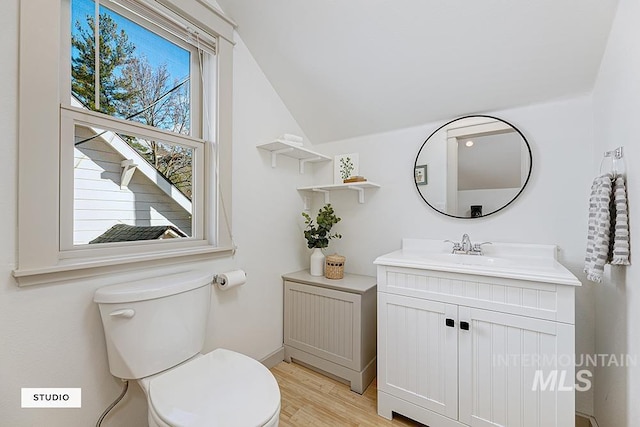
(131, 88)
(115, 51)
(319, 234)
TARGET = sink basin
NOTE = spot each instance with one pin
(464, 259)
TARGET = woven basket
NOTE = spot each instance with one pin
(334, 266)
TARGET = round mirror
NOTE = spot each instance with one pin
(473, 166)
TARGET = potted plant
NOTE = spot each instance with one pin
(318, 235)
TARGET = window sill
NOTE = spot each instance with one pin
(78, 269)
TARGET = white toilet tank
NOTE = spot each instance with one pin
(154, 324)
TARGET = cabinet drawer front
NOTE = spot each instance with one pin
(502, 360)
(323, 322)
(417, 352)
(524, 298)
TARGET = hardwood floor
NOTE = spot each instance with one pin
(582, 422)
(312, 399)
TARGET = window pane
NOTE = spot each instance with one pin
(142, 76)
(128, 188)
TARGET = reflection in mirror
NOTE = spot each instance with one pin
(473, 167)
(130, 189)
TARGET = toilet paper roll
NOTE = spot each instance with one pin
(231, 279)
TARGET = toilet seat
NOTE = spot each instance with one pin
(154, 421)
(221, 388)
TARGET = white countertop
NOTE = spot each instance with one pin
(508, 260)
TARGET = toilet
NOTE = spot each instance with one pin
(154, 330)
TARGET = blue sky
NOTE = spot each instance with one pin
(157, 49)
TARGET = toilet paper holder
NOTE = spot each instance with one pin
(230, 279)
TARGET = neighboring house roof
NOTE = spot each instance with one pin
(126, 151)
(129, 233)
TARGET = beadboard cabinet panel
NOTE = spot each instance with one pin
(499, 360)
(419, 354)
(330, 325)
(459, 350)
(520, 297)
(323, 322)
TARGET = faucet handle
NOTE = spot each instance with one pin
(477, 247)
(483, 243)
(456, 246)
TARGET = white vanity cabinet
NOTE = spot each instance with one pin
(331, 325)
(460, 346)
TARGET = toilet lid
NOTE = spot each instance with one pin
(221, 388)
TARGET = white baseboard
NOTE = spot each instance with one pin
(273, 358)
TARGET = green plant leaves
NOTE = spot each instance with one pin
(319, 234)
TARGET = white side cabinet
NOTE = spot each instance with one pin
(331, 325)
(474, 350)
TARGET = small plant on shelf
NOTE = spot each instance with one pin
(319, 234)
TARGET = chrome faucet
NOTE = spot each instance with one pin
(466, 243)
(466, 247)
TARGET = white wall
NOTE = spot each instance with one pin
(616, 100)
(552, 209)
(493, 161)
(52, 336)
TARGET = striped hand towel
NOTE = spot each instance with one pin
(619, 251)
(599, 226)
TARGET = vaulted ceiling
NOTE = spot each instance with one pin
(347, 68)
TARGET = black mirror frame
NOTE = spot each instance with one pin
(415, 164)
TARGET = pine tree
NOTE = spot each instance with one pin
(132, 88)
(115, 51)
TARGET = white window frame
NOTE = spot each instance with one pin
(41, 258)
(167, 29)
(72, 116)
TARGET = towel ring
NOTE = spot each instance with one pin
(613, 170)
(615, 155)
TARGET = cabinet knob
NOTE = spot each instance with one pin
(464, 325)
(450, 323)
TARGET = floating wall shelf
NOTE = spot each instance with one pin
(290, 150)
(327, 189)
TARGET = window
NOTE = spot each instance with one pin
(147, 180)
(129, 159)
(126, 70)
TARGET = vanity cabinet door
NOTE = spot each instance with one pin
(418, 352)
(323, 322)
(499, 355)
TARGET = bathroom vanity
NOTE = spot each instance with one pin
(476, 340)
